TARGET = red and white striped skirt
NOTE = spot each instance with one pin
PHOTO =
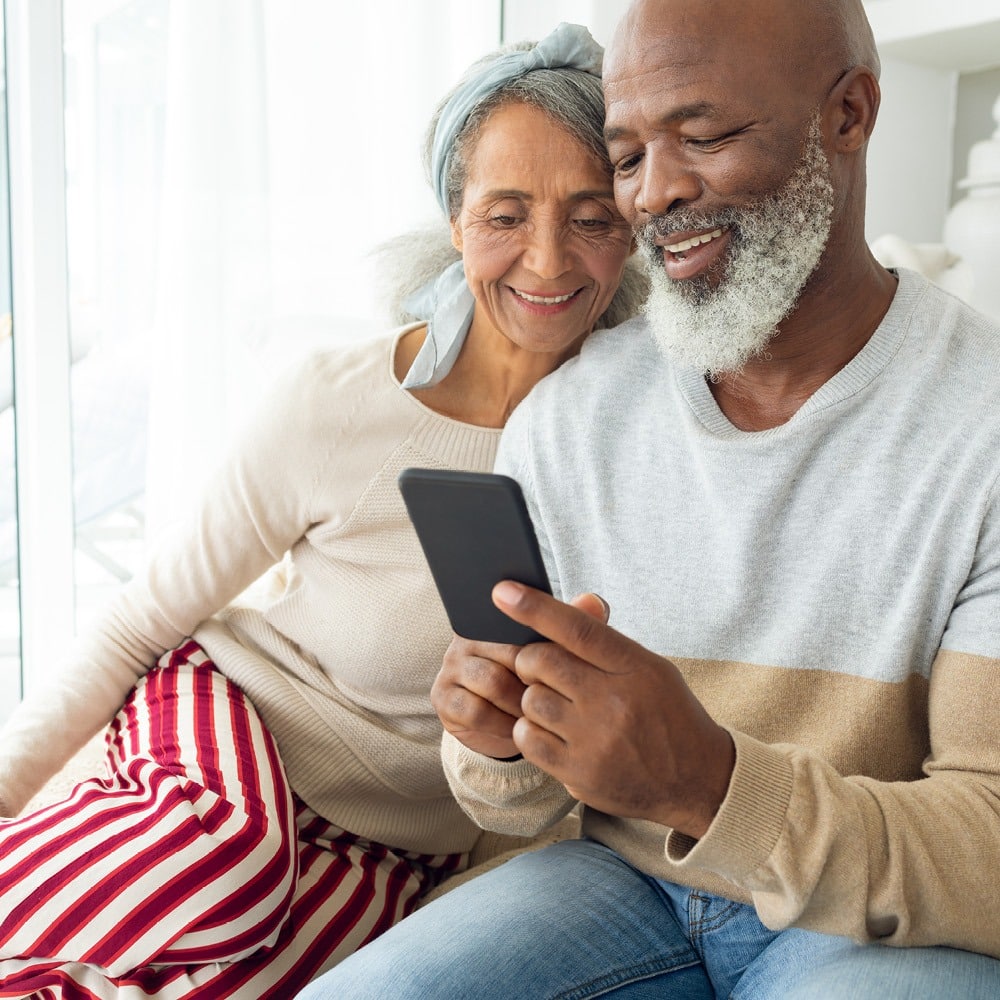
(190, 869)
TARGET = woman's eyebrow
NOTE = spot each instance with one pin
(598, 193)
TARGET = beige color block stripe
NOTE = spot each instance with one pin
(860, 726)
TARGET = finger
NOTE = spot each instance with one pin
(494, 683)
(593, 605)
(474, 721)
(497, 652)
(498, 747)
(589, 639)
(485, 670)
(458, 707)
(547, 708)
(548, 664)
(540, 746)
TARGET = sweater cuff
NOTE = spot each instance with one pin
(514, 797)
(488, 779)
(750, 820)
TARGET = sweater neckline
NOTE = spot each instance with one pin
(431, 414)
(855, 376)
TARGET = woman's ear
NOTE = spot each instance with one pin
(456, 235)
(853, 104)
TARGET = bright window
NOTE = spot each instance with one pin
(224, 169)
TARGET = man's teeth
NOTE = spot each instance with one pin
(544, 300)
(695, 241)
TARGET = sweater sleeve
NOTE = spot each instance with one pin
(512, 797)
(906, 863)
(254, 508)
(901, 863)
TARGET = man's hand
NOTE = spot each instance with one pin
(477, 693)
(614, 722)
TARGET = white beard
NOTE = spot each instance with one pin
(775, 246)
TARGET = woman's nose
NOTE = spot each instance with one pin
(547, 253)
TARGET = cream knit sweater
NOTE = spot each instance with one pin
(336, 646)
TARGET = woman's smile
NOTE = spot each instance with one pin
(547, 304)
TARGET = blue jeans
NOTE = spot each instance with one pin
(574, 921)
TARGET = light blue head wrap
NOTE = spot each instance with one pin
(447, 303)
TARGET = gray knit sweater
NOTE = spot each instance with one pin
(830, 589)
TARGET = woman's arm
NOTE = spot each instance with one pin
(255, 507)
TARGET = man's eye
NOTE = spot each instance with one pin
(709, 141)
(594, 225)
(628, 164)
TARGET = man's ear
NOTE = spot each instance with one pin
(852, 108)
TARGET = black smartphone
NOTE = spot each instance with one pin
(475, 531)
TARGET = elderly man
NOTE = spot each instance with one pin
(786, 484)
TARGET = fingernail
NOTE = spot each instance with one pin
(605, 605)
(507, 592)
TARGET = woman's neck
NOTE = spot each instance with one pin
(489, 378)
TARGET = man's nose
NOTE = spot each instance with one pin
(664, 183)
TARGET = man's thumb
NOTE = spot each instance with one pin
(593, 605)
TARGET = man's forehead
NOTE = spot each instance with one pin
(666, 76)
(639, 52)
(683, 34)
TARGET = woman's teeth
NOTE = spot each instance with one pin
(544, 300)
(695, 241)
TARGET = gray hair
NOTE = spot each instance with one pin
(571, 97)
(574, 100)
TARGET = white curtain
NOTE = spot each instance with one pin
(291, 148)
(213, 278)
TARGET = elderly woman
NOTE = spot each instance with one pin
(274, 796)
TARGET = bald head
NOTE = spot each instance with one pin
(807, 42)
(849, 30)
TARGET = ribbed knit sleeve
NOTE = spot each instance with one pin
(240, 527)
(513, 797)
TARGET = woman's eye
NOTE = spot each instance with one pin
(592, 225)
(505, 221)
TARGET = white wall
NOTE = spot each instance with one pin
(910, 155)
(536, 18)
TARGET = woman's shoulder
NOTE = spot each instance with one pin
(352, 373)
(330, 388)
(344, 362)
